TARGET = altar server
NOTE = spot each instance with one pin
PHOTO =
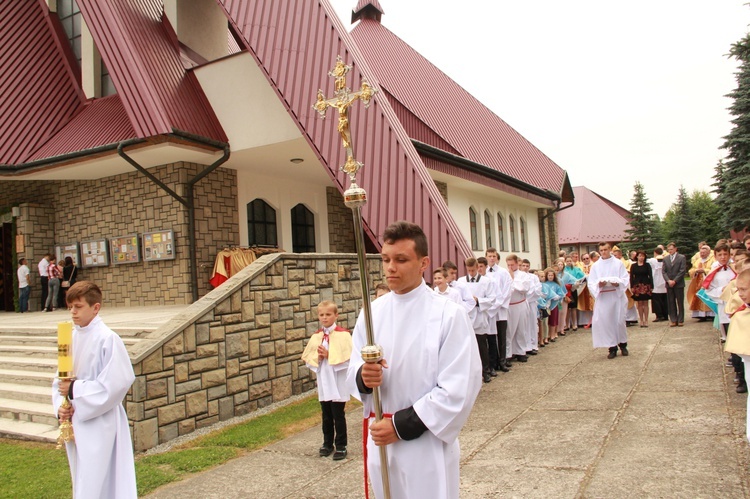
(607, 283)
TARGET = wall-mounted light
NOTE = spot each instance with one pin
(296, 161)
(16, 211)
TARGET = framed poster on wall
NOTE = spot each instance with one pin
(124, 249)
(94, 253)
(65, 250)
(158, 245)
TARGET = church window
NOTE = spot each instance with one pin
(512, 229)
(522, 226)
(488, 229)
(474, 229)
(261, 224)
(303, 229)
(70, 17)
(500, 232)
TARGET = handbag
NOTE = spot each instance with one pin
(66, 284)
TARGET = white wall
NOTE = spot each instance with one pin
(459, 201)
(283, 196)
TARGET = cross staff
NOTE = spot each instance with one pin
(355, 198)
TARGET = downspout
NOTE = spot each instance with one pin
(544, 232)
(188, 201)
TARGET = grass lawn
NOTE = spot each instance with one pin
(34, 470)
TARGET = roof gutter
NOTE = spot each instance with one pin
(189, 200)
(439, 154)
(40, 164)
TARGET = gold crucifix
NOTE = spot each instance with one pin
(342, 101)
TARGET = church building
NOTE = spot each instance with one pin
(142, 137)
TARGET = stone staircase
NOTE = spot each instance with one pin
(28, 364)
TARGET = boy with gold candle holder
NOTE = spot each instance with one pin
(94, 375)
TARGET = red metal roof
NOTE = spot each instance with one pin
(38, 87)
(591, 219)
(296, 43)
(100, 122)
(485, 138)
(140, 49)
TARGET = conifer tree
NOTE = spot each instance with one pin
(682, 228)
(734, 180)
(641, 234)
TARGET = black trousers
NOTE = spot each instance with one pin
(502, 341)
(45, 290)
(492, 345)
(484, 352)
(659, 305)
(334, 421)
(676, 304)
(737, 364)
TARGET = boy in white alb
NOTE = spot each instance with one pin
(484, 299)
(101, 457)
(440, 286)
(535, 292)
(518, 311)
(608, 280)
(504, 284)
(327, 354)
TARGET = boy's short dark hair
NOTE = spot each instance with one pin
(603, 243)
(721, 247)
(407, 230)
(441, 271)
(658, 251)
(512, 256)
(449, 265)
(737, 245)
(90, 292)
(741, 252)
(747, 236)
(382, 287)
(526, 260)
(482, 260)
(470, 262)
(491, 250)
(21, 260)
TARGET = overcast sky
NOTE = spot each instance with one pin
(613, 93)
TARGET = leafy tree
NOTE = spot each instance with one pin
(734, 181)
(707, 214)
(641, 233)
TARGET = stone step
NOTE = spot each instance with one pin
(123, 331)
(27, 393)
(25, 430)
(44, 340)
(33, 412)
(33, 378)
(33, 364)
(47, 352)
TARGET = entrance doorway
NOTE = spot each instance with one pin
(6, 268)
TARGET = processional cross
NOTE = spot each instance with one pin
(342, 100)
(355, 198)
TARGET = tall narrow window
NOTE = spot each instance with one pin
(474, 229)
(108, 88)
(261, 224)
(524, 244)
(488, 229)
(512, 229)
(303, 229)
(70, 17)
(500, 232)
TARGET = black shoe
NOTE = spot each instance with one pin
(502, 367)
(742, 387)
(521, 358)
(508, 361)
(493, 373)
(325, 451)
(486, 378)
(624, 349)
(532, 352)
(612, 353)
(339, 454)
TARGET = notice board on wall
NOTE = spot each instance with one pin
(125, 249)
(94, 253)
(64, 250)
(158, 245)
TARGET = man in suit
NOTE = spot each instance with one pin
(673, 269)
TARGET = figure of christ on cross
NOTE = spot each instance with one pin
(342, 101)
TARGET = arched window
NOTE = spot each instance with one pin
(524, 245)
(261, 224)
(488, 229)
(500, 232)
(303, 229)
(474, 229)
(512, 229)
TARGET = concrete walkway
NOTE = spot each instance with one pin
(663, 422)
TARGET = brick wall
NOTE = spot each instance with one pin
(240, 349)
(443, 189)
(126, 204)
(340, 223)
(548, 234)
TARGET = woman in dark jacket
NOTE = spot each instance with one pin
(70, 276)
(641, 285)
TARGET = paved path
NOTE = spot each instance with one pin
(663, 422)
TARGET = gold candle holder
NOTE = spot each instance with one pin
(65, 372)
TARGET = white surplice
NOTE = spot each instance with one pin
(718, 283)
(518, 315)
(608, 327)
(101, 458)
(504, 282)
(532, 326)
(434, 367)
(332, 385)
(483, 289)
